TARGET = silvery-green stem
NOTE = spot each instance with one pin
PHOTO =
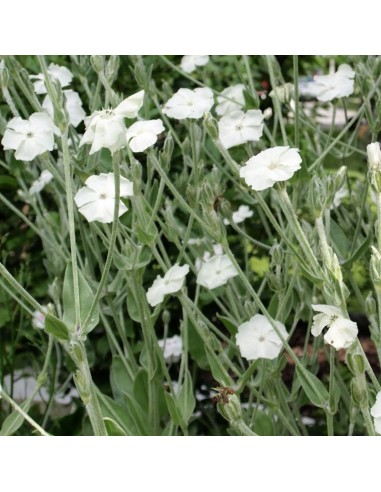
(18, 409)
(111, 247)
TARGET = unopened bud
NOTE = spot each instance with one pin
(355, 363)
(375, 269)
(4, 75)
(283, 92)
(374, 165)
(167, 151)
(359, 391)
(166, 317)
(97, 62)
(316, 196)
(370, 304)
(211, 126)
(228, 405)
(112, 68)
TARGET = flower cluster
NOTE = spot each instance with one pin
(73, 103)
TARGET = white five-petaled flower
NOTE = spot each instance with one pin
(172, 282)
(375, 411)
(189, 63)
(269, 166)
(143, 134)
(187, 103)
(56, 72)
(240, 215)
(73, 106)
(237, 128)
(29, 138)
(96, 200)
(339, 84)
(215, 271)
(231, 99)
(172, 348)
(257, 339)
(342, 331)
(40, 183)
(107, 129)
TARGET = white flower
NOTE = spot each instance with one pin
(240, 215)
(106, 128)
(172, 282)
(269, 166)
(172, 348)
(375, 411)
(231, 99)
(215, 271)
(257, 339)
(238, 127)
(374, 156)
(190, 62)
(342, 332)
(96, 200)
(29, 138)
(40, 183)
(143, 134)
(73, 107)
(62, 74)
(187, 103)
(339, 84)
(38, 320)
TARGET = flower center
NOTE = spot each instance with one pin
(262, 339)
(29, 134)
(238, 128)
(103, 196)
(273, 165)
(218, 272)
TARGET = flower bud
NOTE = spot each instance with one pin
(375, 269)
(355, 362)
(166, 317)
(4, 75)
(167, 151)
(374, 165)
(211, 126)
(370, 304)
(359, 391)
(228, 405)
(339, 178)
(97, 62)
(112, 68)
(283, 92)
(142, 74)
(316, 196)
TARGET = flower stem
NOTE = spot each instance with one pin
(111, 247)
(18, 409)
